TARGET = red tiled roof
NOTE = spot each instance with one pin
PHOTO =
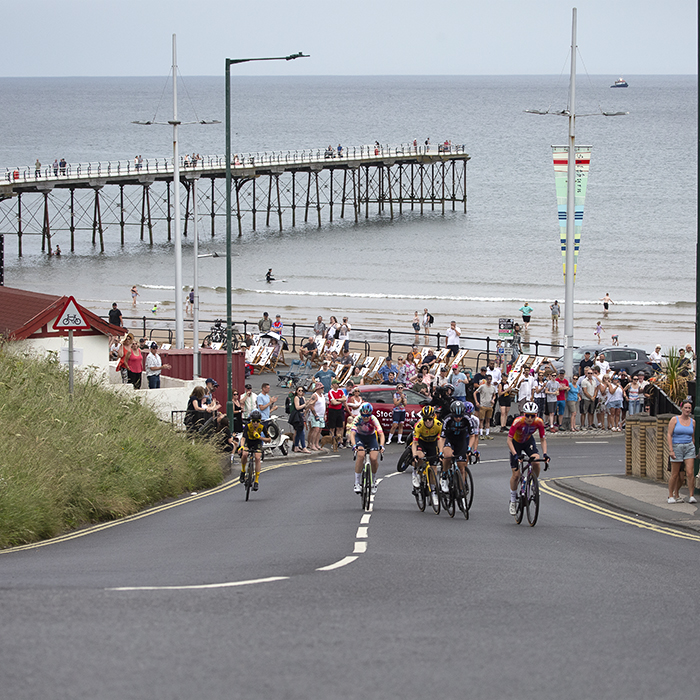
(22, 313)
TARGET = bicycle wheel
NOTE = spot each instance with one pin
(449, 499)
(249, 477)
(366, 486)
(519, 504)
(462, 494)
(405, 459)
(420, 493)
(434, 492)
(468, 486)
(532, 502)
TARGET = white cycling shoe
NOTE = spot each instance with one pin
(358, 488)
(512, 508)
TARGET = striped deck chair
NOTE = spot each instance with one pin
(368, 362)
(442, 355)
(261, 364)
(515, 374)
(458, 358)
(355, 357)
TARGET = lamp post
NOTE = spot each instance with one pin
(571, 201)
(174, 122)
(229, 356)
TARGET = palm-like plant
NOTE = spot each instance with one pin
(675, 385)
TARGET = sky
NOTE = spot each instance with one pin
(50, 38)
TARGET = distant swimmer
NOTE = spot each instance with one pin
(58, 251)
(607, 301)
(268, 276)
(154, 310)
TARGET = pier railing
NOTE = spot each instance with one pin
(111, 168)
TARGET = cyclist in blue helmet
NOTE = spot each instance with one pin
(366, 434)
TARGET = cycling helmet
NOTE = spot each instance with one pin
(469, 407)
(366, 409)
(531, 407)
(255, 415)
(427, 413)
(457, 409)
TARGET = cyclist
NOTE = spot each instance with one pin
(364, 431)
(454, 441)
(426, 433)
(254, 434)
(521, 438)
(474, 423)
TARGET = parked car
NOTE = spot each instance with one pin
(381, 396)
(633, 360)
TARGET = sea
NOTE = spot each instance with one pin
(639, 229)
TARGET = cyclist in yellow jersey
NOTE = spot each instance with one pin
(425, 442)
(254, 434)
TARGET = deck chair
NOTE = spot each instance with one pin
(514, 376)
(355, 357)
(288, 377)
(368, 362)
(261, 364)
(459, 357)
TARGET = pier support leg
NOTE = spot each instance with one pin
(279, 201)
(422, 174)
(121, 213)
(19, 224)
(342, 205)
(46, 233)
(150, 222)
(400, 189)
(170, 214)
(294, 199)
(255, 200)
(239, 184)
(367, 192)
(464, 184)
(413, 189)
(97, 222)
(318, 202)
(331, 196)
(143, 216)
(308, 198)
(213, 210)
(355, 200)
(269, 200)
(187, 207)
(443, 187)
(391, 199)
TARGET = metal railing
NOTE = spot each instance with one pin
(373, 340)
(56, 172)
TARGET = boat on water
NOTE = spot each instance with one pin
(620, 82)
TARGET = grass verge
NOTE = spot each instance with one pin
(66, 463)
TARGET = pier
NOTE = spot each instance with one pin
(268, 188)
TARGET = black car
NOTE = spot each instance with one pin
(632, 360)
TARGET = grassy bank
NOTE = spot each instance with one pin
(99, 456)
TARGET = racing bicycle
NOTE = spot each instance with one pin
(460, 492)
(428, 489)
(528, 498)
(367, 480)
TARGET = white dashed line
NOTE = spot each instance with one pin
(360, 548)
(365, 519)
(362, 533)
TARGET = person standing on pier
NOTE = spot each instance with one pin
(37, 168)
(63, 165)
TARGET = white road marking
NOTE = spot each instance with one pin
(343, 562)
(591, 442)
(360, 548)
(364, 520)
(228, 584)
(362, 533)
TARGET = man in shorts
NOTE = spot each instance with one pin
(589, 392)
(398, 417)
(484, 398)
(521, 439)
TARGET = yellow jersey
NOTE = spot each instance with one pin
(427, 434)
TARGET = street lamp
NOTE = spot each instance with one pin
(229, 356)
(571, 202)
(179, 320)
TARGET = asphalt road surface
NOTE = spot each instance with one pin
(298, 594)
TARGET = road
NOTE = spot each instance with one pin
(581, 606)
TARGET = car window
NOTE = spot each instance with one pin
(379, 396)
(622, 355)
(414, 397)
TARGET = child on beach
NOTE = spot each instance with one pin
(598, 330)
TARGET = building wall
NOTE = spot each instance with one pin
(95, 348)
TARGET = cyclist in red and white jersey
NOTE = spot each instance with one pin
(521, 438)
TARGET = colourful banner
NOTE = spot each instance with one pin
(561, 165)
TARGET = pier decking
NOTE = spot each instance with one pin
(277, 186)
